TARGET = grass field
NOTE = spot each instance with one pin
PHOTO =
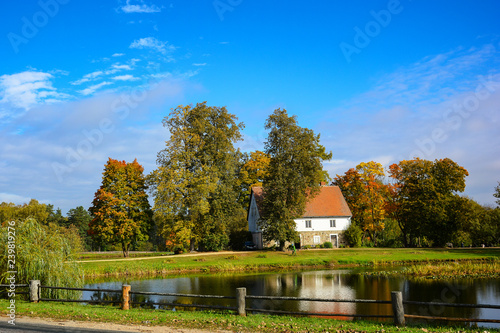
(211, 320)
(273, 260)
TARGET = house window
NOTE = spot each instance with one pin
(317, 239)
(333, 223)
(308, 224)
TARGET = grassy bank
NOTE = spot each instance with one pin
(446, 270)
(271, 260)
(211, 321)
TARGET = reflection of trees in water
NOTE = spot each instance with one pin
(457, 291)
(317, 284)
(373, 288)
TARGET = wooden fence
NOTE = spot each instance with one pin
(396, 301)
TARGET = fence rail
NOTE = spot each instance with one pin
(458, 305)
(241, 297)
(15, 286)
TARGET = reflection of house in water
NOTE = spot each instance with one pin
(327, 285)
(316, 284)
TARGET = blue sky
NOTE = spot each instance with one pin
(81, 81)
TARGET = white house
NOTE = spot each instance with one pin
(326, 217)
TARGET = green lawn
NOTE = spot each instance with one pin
(268, 260)
(211, 320)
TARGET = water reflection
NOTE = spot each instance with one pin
(328, 284)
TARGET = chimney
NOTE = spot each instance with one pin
(322, 183)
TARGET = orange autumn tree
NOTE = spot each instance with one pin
(366, 195)
(120, 209)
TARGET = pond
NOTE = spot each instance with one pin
(337, 284)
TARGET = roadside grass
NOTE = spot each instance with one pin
(212, 321)
(276, 260)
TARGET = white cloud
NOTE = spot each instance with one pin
(115, 68)
(127, 77)
(14, 198)
(152, 43)
(121, 67)
(88, 77)
(200, 64)
(26, 89)
(90, 90)
(118, 54)
(140, 8)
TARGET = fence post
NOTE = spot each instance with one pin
(125, 296)
(397, 308)
(240, 298)
(34, 285)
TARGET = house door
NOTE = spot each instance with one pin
(334, 240)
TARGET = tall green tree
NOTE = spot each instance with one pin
(195, 186)
(80, 218)
(425, 197)
(121, 211)
(56, 216)
(294, 175)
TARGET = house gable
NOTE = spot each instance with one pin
(326, 216)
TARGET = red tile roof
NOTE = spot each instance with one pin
(328, 202)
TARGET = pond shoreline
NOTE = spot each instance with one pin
(267, 261)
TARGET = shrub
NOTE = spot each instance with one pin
(353, 235)
(328, 245)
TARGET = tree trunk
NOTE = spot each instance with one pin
(125, 249)
(191, 244)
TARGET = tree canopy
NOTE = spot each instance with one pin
(366, 194)
(294, 175)
(195, 186)
(425, 197)
(120, 209)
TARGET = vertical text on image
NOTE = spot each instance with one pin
(11, 271)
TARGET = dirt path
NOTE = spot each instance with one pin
(163, 257)
(70, 325)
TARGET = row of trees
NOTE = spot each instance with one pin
(202, 185)
(419, 205)
(76, 221)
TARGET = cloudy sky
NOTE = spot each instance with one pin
(81, 81)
